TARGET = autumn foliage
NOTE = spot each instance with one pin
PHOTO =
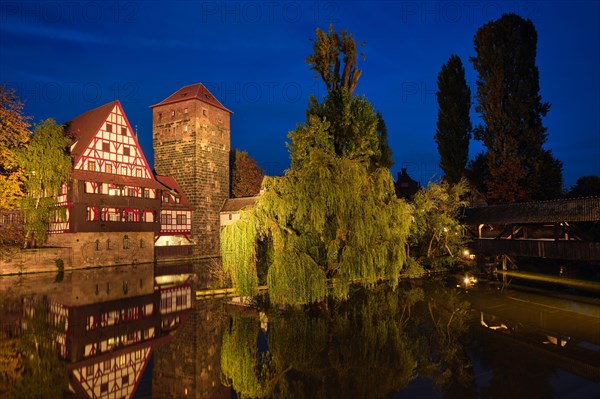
(246, 175)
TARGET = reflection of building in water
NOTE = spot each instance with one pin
(189, 366)
(107, 344)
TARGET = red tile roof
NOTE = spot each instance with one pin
(170, 183)
(86, 125)
(197, 91)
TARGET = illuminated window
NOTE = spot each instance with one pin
(172, 113)
(108, 168)
(91, 165)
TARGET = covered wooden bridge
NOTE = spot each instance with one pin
(566, 229)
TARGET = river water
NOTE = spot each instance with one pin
(139, 332)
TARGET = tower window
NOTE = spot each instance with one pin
(185, 111)
(204, 113)
(172, 113)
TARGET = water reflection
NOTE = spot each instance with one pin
(102, 323)
(132, 332)
(368, 347)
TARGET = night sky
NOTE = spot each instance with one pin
(66, 58)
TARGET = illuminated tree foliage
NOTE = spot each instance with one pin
(436, 236)
(367, 347)
(512, 110)
(46, 166)
(246, 175)
(334, 217)
(14, 134)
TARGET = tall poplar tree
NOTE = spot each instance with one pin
(453, 124)
(512, 109)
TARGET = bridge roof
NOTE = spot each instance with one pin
(585, 209)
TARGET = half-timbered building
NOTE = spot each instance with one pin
(175, 221)
(113, 200)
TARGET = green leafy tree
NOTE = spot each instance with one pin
(246, 175)
(46, 165)
(14, 134)
(453, 124)
(436, 237)
(511, 108)
(357, 132)
(334, 216)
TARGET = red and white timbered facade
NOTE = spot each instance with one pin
(175, 215)
(113, 188)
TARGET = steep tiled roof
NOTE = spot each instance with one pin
(170, 183)
(197, 91)
(86, 125)
(562, 210)
(237, 204)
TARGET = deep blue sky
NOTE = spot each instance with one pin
(66, 58)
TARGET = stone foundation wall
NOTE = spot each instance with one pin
(106, 249)
(81, 250)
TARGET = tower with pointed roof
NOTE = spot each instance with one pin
(191, 139)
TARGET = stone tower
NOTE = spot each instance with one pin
(191, 139)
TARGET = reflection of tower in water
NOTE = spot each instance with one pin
(190, 365)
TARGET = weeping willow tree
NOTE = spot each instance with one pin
(333, 219)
